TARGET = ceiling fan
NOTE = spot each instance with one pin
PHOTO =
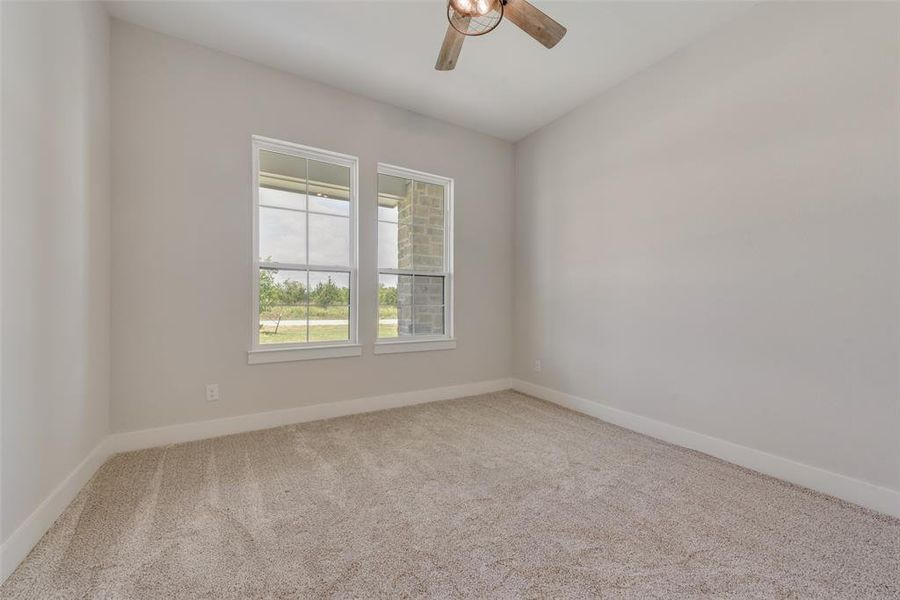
(478, 17)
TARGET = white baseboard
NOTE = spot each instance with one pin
(29, 533)
(199, 430)
(23, 539)
(859, 492)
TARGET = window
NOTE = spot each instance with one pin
(304, 253)
(415, 261)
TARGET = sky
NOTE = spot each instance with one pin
(283, 230)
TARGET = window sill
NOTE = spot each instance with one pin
(415, 346)
(274, 355)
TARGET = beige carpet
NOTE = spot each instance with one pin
(497, 496)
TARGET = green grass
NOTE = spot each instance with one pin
(317, 333)
(320, 312)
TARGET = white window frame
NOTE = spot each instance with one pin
(431, 342)
(267, 353)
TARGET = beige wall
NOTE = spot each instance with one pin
(714, 243)
(55, 247)
(182, 120)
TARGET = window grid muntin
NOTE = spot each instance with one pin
(447, 273)
(287, 148)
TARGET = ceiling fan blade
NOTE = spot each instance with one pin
(534, 22)
(449, 53)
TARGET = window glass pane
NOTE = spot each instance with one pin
(305, 219)
(329, 288)
(405, 302)
(282, 235)
(416, 242)
(391, 189)
(428, 199)
(411, 237)
(329, 311)
(405, 321)
(329, 188)
(331, 206)
(329, 323)
(427, 227)
(428, 291)
(410, 305)
(387, 214)
(387, 245)
(394, 195)
(282, 199)
(428, 320)
(387, 305)
(395, 302)
(282, 306)
(329, 240)
(282, 180)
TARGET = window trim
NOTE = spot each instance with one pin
(431, 342)
(265, 353)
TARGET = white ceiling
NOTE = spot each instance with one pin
(505, 84)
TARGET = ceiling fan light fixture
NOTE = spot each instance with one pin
(472, 8)
(477, 17)
(463, 7)
(474, 17)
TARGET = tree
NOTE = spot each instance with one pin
(327, 293)
(269, 292)
(387, 296)
(292, 293)
(269, 295)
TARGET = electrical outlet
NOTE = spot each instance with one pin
(212, 392)
(537, 366)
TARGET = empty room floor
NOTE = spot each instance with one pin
(499, 495)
